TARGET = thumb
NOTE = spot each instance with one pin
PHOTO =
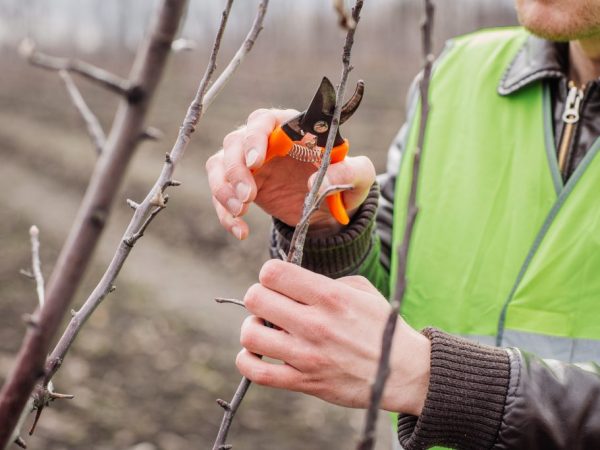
(355, 170)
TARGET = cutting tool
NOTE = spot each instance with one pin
(304, 136)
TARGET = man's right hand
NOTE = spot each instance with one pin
(237, 177)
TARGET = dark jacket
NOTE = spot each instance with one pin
(481, 396)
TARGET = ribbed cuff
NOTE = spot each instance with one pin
(337, 255)
(465, 402)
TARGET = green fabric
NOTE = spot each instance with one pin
(493, 242)
(499, 242)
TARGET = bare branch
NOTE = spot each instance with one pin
(131, 240)
(20, 442)
(368, 437)
(345, 20)
(75, 255)
(145, 212)
(152, 134)
(36, 266)
(299, 237)
(230, 410)
(183, 45)
(233, 301)
(27, 273)
(91, 121)
(102, 77)
(239, 56)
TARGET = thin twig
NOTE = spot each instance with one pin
(295, 253)
(300, 232)
(89, 118)
(36, 266)
(233, 301)
(368, 436)
(230, 409)
(145, 211)
(239, 56)
(76, 253)
(102, 77)
(152, 134)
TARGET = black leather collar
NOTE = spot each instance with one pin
(538, 59)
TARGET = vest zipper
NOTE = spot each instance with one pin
(570, 118)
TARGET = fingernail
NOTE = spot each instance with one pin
(237, 232)
(234, 206)
(251, 157)
(243, 191)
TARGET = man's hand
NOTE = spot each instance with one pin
(280, 186)
(328, 336)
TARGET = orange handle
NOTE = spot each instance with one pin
(334, 201)
(280, 144)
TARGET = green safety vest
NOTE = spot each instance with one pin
(502, 251)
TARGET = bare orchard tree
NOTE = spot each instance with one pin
(30, 381)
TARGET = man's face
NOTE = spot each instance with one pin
(560, 20)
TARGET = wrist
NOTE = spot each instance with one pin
(410, 367)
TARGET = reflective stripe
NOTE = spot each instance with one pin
(565, 349)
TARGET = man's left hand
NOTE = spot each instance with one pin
(328, 336)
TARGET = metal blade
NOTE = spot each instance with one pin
(321, 107)
(352, 105)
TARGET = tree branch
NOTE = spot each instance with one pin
(145, 212)
(233, 301)
(36, 266)
(99, 76)
(299, 237)
(89, 118)
(368, 436)
(311, 204)
(106, 178)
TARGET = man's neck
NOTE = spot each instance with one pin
(584, 60)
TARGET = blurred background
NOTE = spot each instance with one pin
(148, 367)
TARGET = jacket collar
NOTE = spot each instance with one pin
(537, 59)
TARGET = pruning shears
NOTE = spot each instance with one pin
(304, 136)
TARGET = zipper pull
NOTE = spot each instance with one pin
(572, 105)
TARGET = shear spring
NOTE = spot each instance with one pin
(305, 154)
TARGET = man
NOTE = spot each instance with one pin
(506, 248)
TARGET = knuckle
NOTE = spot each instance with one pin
(222, 192)
(270, 272)
(258, 113)
(212, 161)
(248, 335)
(232, 171)
(253, 296)
(317, 329)
(232, 137)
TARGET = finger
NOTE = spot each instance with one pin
(297, 283)
(220, 188)
(360, 283)
(258, 129)
(262, 340)
(281, 376)
(274, 307)
(357, 171)
(234, 225)
(235, 170)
